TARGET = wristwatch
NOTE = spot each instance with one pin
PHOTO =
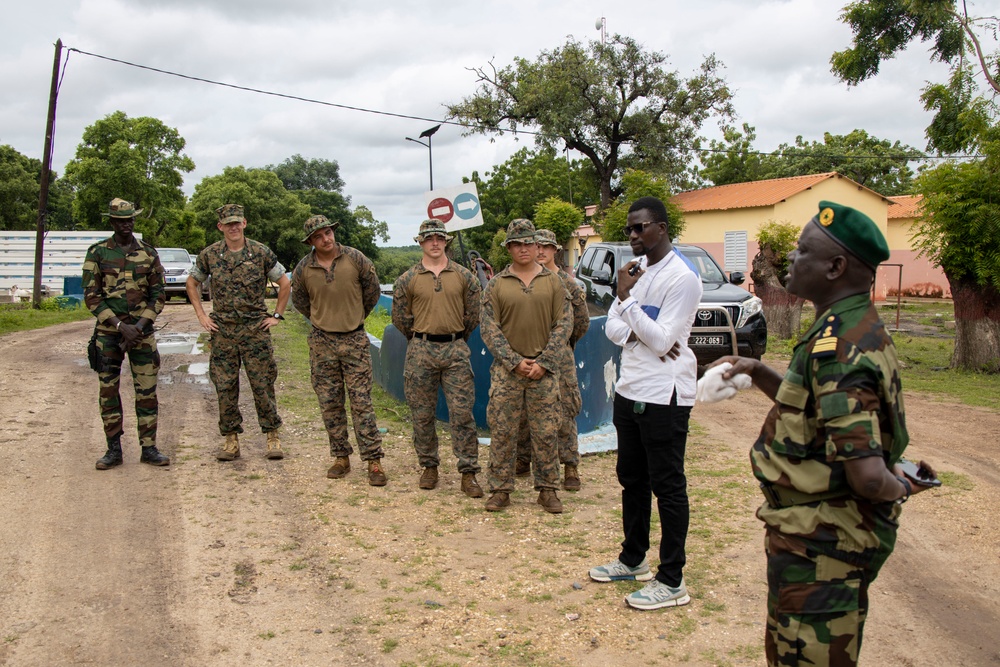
(278, 316)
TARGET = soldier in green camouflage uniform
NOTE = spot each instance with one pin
(827, 453)
(240, 324)
(525, 325)
(123, 288)
(335, 287)
(569, 388)
(436, 305)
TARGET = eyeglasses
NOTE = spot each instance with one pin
(639, 228)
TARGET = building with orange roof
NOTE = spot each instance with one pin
(725, 219)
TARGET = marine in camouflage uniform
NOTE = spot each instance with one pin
(240, 323)
(525, 326)
(336, 287)
(826, 454)
(436, 305)
(123, 288)
(569, 388)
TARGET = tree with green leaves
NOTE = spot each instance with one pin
(782, 310)
(636, 184)
(18, 190)
(513, 189)
(138, 159)
(615, 102)
(960, 224)
(318, 184)
(558, 216)
(877, 164)
(274, 215)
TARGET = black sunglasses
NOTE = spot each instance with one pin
(638, 228)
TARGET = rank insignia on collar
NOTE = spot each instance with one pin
(825, 347)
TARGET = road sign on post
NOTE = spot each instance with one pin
(458, 207)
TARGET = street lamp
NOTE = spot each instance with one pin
(427, 134)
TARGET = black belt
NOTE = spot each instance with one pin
(438, 338)
(344, 333)
(781, 497)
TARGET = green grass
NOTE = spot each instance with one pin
(377, 321)
(19, 317)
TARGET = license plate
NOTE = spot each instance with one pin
(175, 279)
(706, 340)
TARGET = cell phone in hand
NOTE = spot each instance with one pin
(918, 474)
(635, 269)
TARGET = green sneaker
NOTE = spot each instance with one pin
(619, 571)
(657, 594)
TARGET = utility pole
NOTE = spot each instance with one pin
(43, 193)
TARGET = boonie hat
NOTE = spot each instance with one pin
(120, 208)
(547, 237)
(432, 227)
(521, 230)
(230, 213)
(853, 230)
(316, 223)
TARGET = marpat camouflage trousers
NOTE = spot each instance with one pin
(339, 360)
(429, 366)
(570, 403)
(247, 345)
(816, 605)
(144, 360)
(513, 398)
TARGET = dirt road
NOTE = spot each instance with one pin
(267, 562)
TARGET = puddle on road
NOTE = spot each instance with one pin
(178, 343)
(196, 373)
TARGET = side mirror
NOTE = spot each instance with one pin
(737, 278)
(601, 277)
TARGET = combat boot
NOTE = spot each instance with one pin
(522, 468)
(571, 478)
(470, 486)
(549, 501)
(153, 457)
(376, 476)
(498, 501)
(231, 450)
(113, 457)
(429, 478)
(341, 466)
(274, 446)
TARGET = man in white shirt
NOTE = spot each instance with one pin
(658, 295)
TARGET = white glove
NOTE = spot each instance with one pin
(712, 387)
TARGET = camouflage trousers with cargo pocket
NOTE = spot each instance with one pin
(816, 605)
(431, 365)
(144, 360)
(339, 360)
(570, 403)
(248, 345)
(513, 398)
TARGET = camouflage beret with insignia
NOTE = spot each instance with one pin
(853, 230)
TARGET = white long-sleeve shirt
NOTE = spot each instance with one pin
(660, 310)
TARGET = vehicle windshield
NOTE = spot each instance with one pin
(707, 268)
(174, 255)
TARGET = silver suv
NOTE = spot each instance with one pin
(177, 263)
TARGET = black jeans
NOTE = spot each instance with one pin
(651, 461)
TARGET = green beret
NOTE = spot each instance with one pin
(853, 230)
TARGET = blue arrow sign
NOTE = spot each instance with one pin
(466, 205)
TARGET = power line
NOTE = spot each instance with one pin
(486, 128)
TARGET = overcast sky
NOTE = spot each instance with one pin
(411, 58)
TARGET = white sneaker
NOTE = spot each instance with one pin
(657, 594)
(619, 571)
